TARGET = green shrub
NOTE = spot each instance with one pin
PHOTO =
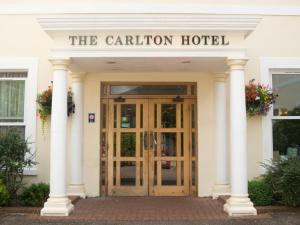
(260, 192)
(35, 195)
(15, 155)
(4, 196)
(284, 178)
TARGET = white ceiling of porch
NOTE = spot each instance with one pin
(94, 65)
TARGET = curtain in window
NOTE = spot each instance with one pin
(12, 100)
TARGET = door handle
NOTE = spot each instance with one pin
(153, 141)
(146, 140)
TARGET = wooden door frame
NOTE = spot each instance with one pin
(191, 98)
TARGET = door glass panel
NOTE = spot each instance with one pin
(115, 173)
(128, 144)
(182, 144)
(193, 144)
(155, 116)
(182, 173)
(127, 173)
(128, 116)
(168, 173)
(148, 89)
(168, 144)
(181, 115)
(104, 116)
(103, 175)
(155, 173)
(115, 116)
(193, 173)
(141, 173)
(141, 116)
(141, 144)
(155, 143)
(115, 144)
(193, 116)
(168, 115)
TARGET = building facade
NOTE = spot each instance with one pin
(158, 92)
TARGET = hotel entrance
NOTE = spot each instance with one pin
(148, 139)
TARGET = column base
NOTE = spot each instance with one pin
(77, 190)
(57, 206)
(239, 206)
(220, 189)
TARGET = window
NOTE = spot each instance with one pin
(12, 96)
(18, 90)
(286, 115)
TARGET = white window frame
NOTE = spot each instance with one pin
(268, 67)
(29, 65)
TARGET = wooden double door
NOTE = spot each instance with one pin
(151, 147)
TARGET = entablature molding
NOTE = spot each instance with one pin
(159, 22)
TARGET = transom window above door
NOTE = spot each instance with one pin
(149, 89)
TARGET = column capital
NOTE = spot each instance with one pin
(77, 76)
(220, 77)
(60, 64)
(237, 64)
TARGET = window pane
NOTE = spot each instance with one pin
(168, 144)
(12, 100)
(168, 115)
(128, 116)
(168, 173)
(128, 144)
(20, 129)
(127, 173)
(286, 138)
(149, 90)
(288, 87)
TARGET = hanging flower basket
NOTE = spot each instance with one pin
(44, 101)
(259, 98)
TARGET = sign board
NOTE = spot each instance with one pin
(148, 40)
(91, 117)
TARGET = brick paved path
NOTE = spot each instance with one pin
(149, 208)
(150, 211)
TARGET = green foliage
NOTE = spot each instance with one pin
(35, 195)
(284, 178)
(14, 157)
(4, 196)
(260, 192)
(285, 134)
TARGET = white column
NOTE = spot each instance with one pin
(76, 186)
(238, 203)
(58, 203)
(221, 186)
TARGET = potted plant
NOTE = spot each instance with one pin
(44, 101)
(259, 98)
